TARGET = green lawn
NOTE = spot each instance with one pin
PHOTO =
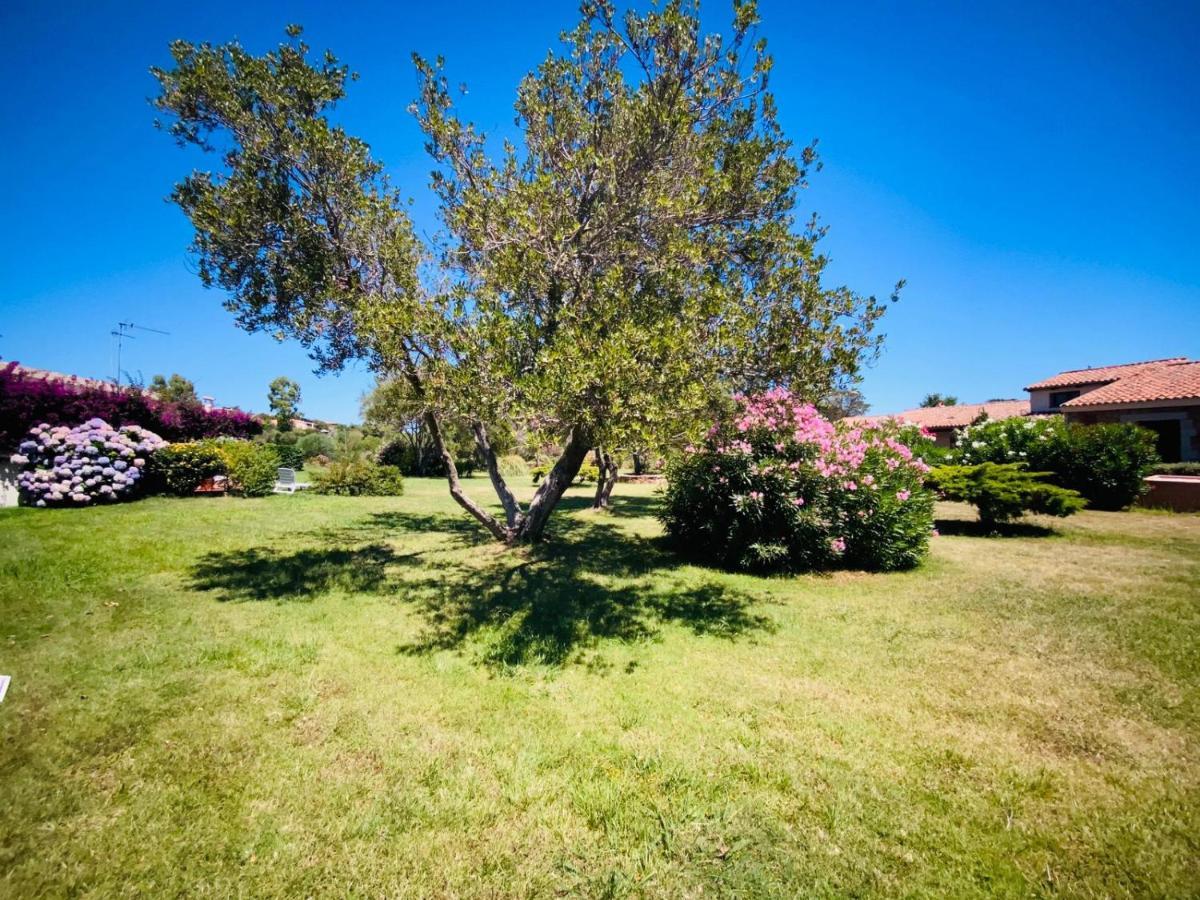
(308, 695)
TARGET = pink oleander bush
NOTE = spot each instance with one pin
(81, 466)
(779, 487)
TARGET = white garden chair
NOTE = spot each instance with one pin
(286, 483)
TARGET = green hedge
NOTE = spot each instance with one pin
(181, 468)
(252, 468)
(359, 478)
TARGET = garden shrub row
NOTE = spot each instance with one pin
(779, 487)
(26, 401)
(181, 468)
(96, 463)
(1106, 463)
(359, 478)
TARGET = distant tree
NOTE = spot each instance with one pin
(175, 389)
(627, 259)
(283, 397)
(316, 444)
(939, 400)
(841, 403)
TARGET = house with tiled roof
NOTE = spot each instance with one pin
(944, 422)
(1162, 395)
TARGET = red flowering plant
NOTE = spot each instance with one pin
(779, 487)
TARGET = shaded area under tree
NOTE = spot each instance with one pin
(592, 582)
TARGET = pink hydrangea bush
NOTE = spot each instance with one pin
(91, 463)
(779, 487)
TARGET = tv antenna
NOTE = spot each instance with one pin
(124, 333)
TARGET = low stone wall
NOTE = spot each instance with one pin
(641, 479)
(1178, 492)
(8, 484)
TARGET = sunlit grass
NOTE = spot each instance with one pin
(309, 695)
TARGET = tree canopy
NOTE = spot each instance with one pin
(607, 278)
(935, 399)
(175, 389)
(283, 397)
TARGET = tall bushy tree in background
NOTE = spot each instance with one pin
(936, 399)
(175, 389)
(283, 397)
(605, 281)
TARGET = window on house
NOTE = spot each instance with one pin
(1058, 398)
(1170, 439)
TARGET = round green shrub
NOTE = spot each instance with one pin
(512, 466)
(181, 468)
(315, 444)
(359, 478)
(252, 467)
(289, 456)
(1107, 463)
(781, 488)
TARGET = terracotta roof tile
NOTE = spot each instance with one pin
(959, 416)
(1102, 374)
(1175, 381)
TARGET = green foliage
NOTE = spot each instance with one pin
(1105, 463)
(416, 457)
(1037, 441)
(841, 403)
(588, 473)
(181, 468)
(176, 389)
(1179, 468)
(315, 444)
(935, 399)
(289, 455)
(649, 194)
(359, 477)
(512, 466)
(1004, 491)
(252, 467)
(283, 397)
(781, 488)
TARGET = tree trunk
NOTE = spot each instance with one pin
(481, 515)
(639, 464)
(512, 510)
(606, 478)
(531, 526)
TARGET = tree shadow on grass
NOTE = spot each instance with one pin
(263, 574)
(591, 582)
(975, 528)
(458, 529)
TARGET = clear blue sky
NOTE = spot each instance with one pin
(1032, 169)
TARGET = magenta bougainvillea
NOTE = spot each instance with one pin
(778, 486)
(26, 400)
(91, 463)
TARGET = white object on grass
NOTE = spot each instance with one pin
(4, 680)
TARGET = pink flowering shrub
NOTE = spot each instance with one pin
(779, 487)
(91, 463)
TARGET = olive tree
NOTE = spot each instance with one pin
(606, 278)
